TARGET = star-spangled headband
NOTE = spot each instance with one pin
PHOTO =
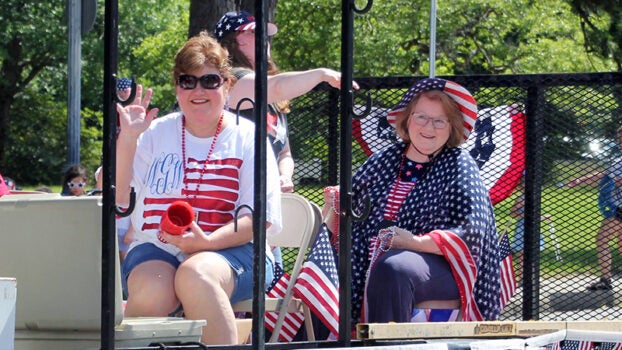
(463, 98)
(124, 83)
(233, 21)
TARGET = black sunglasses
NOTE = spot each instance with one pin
(208, 81)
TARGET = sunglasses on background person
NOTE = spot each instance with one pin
(208, 81)
(74, 184)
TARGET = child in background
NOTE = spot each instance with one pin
(75, 180)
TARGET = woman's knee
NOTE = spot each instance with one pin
(207, 272)
(151, 292)
(385, 273)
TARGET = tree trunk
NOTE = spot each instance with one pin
(204, 14)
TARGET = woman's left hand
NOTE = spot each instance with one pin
(402, 239)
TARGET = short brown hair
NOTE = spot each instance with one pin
(199, 51)
(449, 106)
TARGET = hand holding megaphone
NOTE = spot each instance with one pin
(177, 218)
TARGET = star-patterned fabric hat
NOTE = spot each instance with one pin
(234, 21)
(465, 101)
(124, 83)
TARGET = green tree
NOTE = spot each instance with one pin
(33, 40)
(473, 37)
(600, 23)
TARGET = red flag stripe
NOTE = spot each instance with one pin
(292, 321)
(319, 294)
(308, 274)
(508, 281)
(463, 267)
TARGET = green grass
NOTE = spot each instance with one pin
(576, 220)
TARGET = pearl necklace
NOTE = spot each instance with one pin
(209, 155)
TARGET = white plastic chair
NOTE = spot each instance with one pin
(301, 221)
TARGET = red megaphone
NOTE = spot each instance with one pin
(177, 218)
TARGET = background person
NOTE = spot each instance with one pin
(236, 32)
(75, 180)
(426, 198)
(203, 156)
(3, 187)
(609, 204)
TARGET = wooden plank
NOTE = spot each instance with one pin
(490, 329)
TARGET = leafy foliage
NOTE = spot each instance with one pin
(392, 39)
(600, 24)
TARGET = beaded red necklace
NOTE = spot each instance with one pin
(209, 154)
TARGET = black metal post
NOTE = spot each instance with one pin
(108, 169)
(533, 186)
(259, 211)
(333, 138)
(345, 177)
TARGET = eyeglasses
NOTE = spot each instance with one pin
(422, 120)
(208, 81)
(73, 184)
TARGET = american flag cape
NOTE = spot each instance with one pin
(318, 282)
(463, 268)
(292, 321)
(508, 279)
(452, 199)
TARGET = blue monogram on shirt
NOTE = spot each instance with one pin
(165, 174)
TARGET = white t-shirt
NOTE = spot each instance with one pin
(227, 184)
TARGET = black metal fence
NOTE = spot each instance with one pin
(557, 127)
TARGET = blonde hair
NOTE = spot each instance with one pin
(199, 51)
(449, 106)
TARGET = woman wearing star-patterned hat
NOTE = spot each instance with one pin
(430, 235)
(235, 31)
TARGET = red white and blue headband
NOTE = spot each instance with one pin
(463, 98)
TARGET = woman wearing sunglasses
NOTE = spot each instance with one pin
(203, 156)
(75, 180)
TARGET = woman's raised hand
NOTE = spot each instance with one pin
(135, 117)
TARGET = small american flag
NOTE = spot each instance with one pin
(608, 346)
(508, 279)
(577, 345)
(318, 282)
(292, 321)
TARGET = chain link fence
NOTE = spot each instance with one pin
(555, 129)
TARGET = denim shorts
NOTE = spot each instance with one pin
(239, 258)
